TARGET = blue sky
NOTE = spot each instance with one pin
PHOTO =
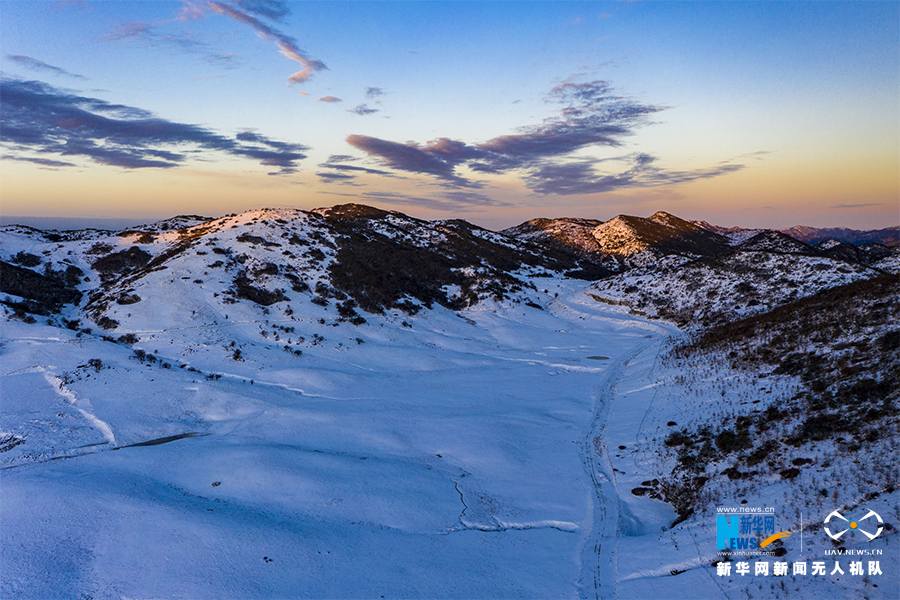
(748, 113)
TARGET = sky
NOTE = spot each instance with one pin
(754, 114)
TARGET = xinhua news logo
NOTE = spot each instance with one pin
(746, 532)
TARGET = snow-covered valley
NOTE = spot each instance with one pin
(440, 460)
(230, 433)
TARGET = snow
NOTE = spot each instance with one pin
(388, 467)
(489, 453)
(618, 238)
(645, 395)
(738, 285)
(891, 263)
(740, 236)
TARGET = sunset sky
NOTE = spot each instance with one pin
(758, 114)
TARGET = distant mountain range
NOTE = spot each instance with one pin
(889, 236)
(627, 241)
(366, 258)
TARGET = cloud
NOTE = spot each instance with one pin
(46, 162)
(131, 30)
(581, 177)
(225, 60)
(409, 157)
(591, 116)
(374, 92)
(242, 11)
(41, 118)
(341, 171)
(451, 201)
(286, 44)
(335, 177)
(329, 99)
(148, 34)
(270, 9)
(857, 205)
(190, 11)
(38, 65)
(362, 110)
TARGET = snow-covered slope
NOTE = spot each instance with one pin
(270, 455)
(624, 241)
(350, 402)
(744, 417)
(285, 261)
(714, 290)
(568, 231)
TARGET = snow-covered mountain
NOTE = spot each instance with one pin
(350, 402)
(624, 241)
(889, 236)
(347, 256)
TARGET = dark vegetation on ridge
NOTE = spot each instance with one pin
(670, 235)
(42, 294)
(379, 271)
(842, 343)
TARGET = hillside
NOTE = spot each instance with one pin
(715, 290)
(327, 261)
(848, 388)
(257, 404)
(624, 241)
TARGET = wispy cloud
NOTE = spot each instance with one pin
(40, 118)
(46, 162)
(591, 116)
(341, 171)
(248, 12)
(857, 205)
(224, 60)
(34, 64)
(374, 92)
(286, 44)
(411, 157)
(362, 110)
(339, 178)
(582, 177)
(449, 201)
(275, 10)
(190, 11)
(329, 99)
(129, 31)
(152, 35)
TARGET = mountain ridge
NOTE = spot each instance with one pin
(363, 257)
(353, 371)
